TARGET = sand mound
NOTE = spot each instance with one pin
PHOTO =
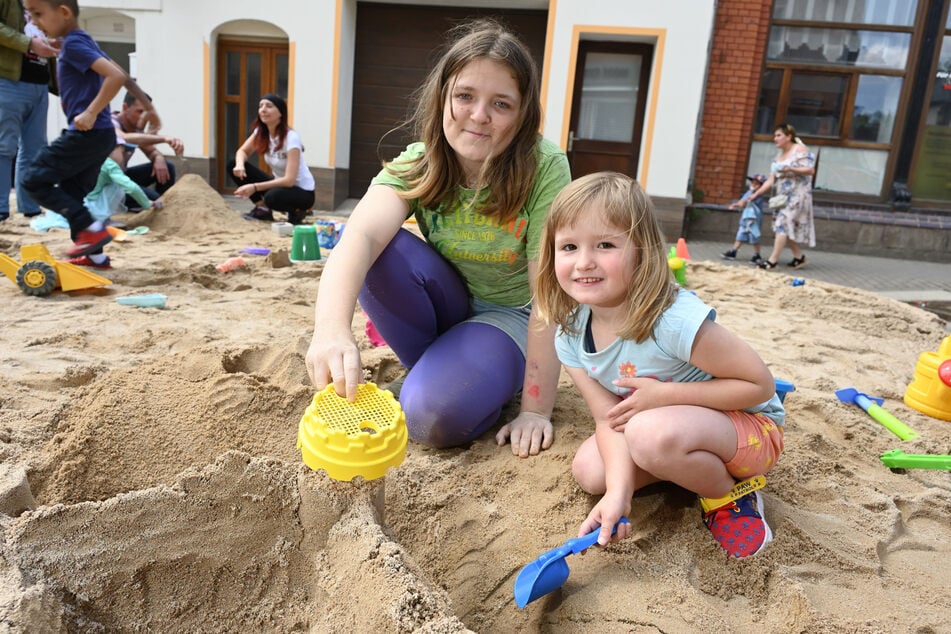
(150, 481)
(228, 546)
(119, 433)
(190, 207)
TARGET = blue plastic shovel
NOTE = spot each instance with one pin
(550, 571)
(872, 406)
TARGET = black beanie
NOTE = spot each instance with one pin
(280, 103)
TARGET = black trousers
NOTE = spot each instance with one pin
(142, 176)
(277, 198)
(66, 170)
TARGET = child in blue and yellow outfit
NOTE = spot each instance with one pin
(751, 220)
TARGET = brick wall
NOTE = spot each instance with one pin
(736, 62)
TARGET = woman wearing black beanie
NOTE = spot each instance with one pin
(291, 188)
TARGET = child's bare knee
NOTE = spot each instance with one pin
(588, 473)
(650, 445)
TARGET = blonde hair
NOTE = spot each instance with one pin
(622, 204)
(510, 176)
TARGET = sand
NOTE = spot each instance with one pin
(149, 478)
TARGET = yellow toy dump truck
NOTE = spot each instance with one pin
(40, 274)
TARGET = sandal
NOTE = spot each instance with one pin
(766, 264)
(797, 263)
(260, 213)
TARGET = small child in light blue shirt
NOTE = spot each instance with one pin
(751, 220)
(674, 395)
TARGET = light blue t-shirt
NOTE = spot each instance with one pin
(665, 356)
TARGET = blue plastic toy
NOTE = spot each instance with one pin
(550, 571)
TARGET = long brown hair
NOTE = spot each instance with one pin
(510, 176)
(624, 205)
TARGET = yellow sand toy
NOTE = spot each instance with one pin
(677, 262)
(40, 274)
(930, 391)
(363, 438)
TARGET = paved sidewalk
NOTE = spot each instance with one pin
(904, 280)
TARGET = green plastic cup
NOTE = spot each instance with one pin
(304, 245)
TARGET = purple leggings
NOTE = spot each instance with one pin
(461, 373)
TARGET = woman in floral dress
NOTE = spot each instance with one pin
(791, 174)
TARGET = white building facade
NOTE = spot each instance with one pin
(622, 80)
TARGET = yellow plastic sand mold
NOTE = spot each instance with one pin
(40, 274)
(930, 390)
(363, 438)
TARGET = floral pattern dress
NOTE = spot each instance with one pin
(795, 218)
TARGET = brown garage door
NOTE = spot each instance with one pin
(396, 45)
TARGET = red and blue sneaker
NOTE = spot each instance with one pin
(738, 525)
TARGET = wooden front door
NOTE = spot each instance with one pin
(246, 70)
(607, 111)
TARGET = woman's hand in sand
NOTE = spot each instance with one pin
(645, 394)
(529, 432)
(337, 361)
(606, 513)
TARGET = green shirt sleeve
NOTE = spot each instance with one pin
(492, 257)
(391, 176)
(10, 36)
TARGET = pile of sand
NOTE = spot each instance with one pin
(149, 477)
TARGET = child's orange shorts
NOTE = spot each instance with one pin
(759, 441)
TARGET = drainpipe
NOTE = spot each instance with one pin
(699, 126)
(900, 197)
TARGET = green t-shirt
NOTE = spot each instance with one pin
(492, 258)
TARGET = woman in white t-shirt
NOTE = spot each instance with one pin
(291, 188)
